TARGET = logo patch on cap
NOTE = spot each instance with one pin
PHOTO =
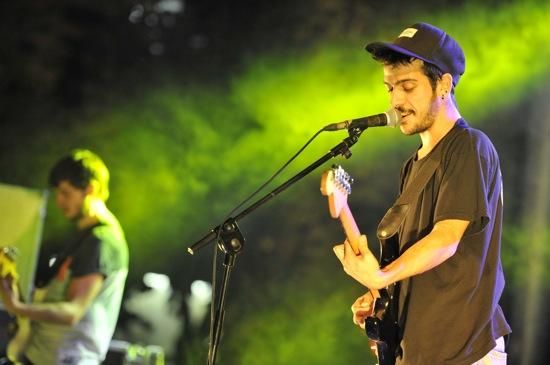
(409, 33)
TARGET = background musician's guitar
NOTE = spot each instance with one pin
(19, 330)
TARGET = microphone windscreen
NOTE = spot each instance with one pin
(394, 117)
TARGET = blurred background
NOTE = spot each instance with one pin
(193, 104)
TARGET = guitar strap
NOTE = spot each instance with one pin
(392, 220)
(71, 248)
(413, 189)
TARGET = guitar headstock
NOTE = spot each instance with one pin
(336, 185)
(8, 256)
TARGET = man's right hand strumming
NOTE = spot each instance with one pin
(362, 308)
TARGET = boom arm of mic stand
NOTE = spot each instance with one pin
(231, 240)
(343, 148)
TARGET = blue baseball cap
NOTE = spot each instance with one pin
(428, 43)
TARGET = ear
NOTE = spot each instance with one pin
(445, 85)
(92, 188)
(89, 189)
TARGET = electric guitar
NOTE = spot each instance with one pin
(382, 325)
(20, 330)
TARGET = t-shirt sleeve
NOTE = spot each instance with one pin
(86, 258)
(463, 191)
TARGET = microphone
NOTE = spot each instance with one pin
(391, 118)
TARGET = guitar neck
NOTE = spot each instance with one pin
(350, 228)
(353, 234)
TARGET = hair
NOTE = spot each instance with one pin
(82, 168)
(392, 58)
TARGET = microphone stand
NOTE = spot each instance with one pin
(231, 240)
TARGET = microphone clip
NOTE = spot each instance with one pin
(231, 240)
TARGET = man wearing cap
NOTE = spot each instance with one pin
(449, 269)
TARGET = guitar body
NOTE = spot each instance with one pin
(18, 343)
(382, 325)
(20, 339)
(22, 326)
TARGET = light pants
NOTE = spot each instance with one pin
(496, 356)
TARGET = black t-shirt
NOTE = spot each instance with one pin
(452, 314)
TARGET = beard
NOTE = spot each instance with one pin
(428, 120)
(74, 212)
(75, 216)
